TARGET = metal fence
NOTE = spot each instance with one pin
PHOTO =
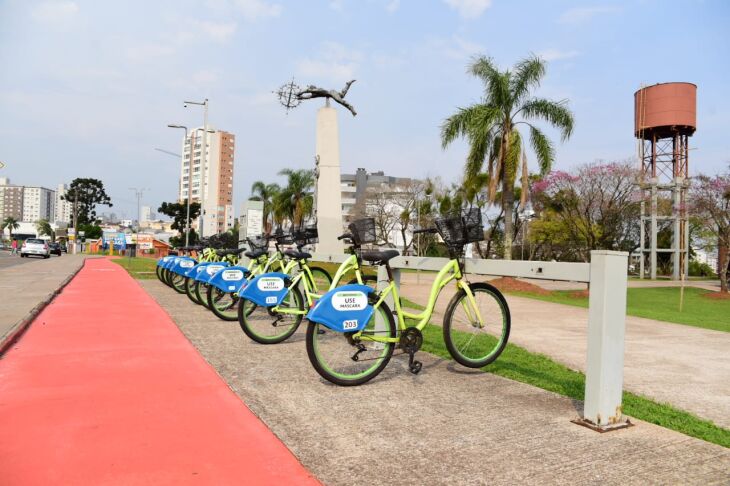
(606, 276)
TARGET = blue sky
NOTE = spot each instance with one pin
(88, 87)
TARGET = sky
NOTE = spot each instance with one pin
(87, 88)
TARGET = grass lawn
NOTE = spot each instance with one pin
(660, 303)
(138, 267)
(538, 370)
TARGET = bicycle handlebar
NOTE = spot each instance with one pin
(346, 235)
(424, 230)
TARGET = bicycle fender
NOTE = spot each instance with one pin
(192, 272)
(209, 270)
(230, 279)
(182, 265)
(162, 261)
(344, 309)
(266, 290)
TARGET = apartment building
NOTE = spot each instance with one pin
(11, 200)
(208, 178)
(354, 188)
(64, 209)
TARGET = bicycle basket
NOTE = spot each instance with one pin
(283, 238)
(306, 236)
(461, 229)
(258, 243)
(363, 231)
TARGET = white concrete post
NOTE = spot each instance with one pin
(606, 329)
(329, 195)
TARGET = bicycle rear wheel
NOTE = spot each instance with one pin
(469, 343)
(265, 326)
(346, 362)
(322, 280)
(223, 304)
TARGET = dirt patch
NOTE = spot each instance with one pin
(509, 284)
(717, 295)
(580, 294)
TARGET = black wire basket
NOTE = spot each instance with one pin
(306, 236)
(460, 229)
(258, 243)
(363, 231)
(283, 238)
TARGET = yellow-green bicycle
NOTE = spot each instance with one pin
(361, 334)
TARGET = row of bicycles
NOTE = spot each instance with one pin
(352, 330)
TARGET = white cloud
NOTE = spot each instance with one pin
(580, 15)
(455, 48)
(392, 6)
(258, 9)
(335, 63)
(337, 5)
(146, 52)
(469, 9)
(55, 12)
(556, 54)
(218, 31)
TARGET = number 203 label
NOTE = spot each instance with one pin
(349, 324)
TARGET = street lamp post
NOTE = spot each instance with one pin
(526, 215)
(190, 182)
(204, 161)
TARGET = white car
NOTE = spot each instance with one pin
(35, 246)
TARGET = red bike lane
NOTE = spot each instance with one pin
(105, 389)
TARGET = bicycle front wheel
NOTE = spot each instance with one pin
(265, 326)
(177, 282)
(201, 292)
(476, 333)
(223, 304)
(190, 286)
(344, 361)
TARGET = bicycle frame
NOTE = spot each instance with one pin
(310, 293)
(451, 271)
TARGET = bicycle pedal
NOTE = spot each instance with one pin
(415, 367)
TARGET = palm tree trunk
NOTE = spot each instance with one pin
(508, 200)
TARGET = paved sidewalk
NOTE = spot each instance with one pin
(26, 288)
(685, 366)
(104, 389)
(447, 425)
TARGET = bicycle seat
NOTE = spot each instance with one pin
(379, 257)
(255, 253)
(298, 255)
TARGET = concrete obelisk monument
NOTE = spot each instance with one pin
(328, 203)
(328, 196)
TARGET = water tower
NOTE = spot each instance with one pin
(665, 116)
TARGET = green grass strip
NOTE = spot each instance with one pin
(661, 304)
(535, 369)
(138, 267)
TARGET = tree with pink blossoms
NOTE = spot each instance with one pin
(710, 200)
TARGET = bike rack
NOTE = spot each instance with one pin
(607, 279)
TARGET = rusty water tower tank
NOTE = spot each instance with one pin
(665, 109)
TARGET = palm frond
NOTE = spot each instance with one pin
(497, 84)
(525, 183)
(543, 149)
(554, 112)
(527, 75)
(461, 123)
(512, 157)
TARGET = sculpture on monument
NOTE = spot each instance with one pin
(290, 95)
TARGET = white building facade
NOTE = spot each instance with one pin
(38, 203)
(208, 179)
(64, 209)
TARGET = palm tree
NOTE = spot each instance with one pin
(491, 128)
(44, 228)
(11, 224)
(298, 194)
(266, 193)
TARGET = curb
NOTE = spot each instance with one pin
(17, 331)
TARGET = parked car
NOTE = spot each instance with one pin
(35, 246)
(54, 248)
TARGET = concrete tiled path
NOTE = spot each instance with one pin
(682, 365)
(447, 425)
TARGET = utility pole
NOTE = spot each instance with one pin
(76, 220)
(203, 161)
(138, 193)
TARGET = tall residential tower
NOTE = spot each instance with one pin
(210, 184)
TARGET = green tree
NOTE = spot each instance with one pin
(297, 198)
(492, 129)
(266, 193)
(178, 211)
(44, 228)
(11, 224)
(87, 193)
